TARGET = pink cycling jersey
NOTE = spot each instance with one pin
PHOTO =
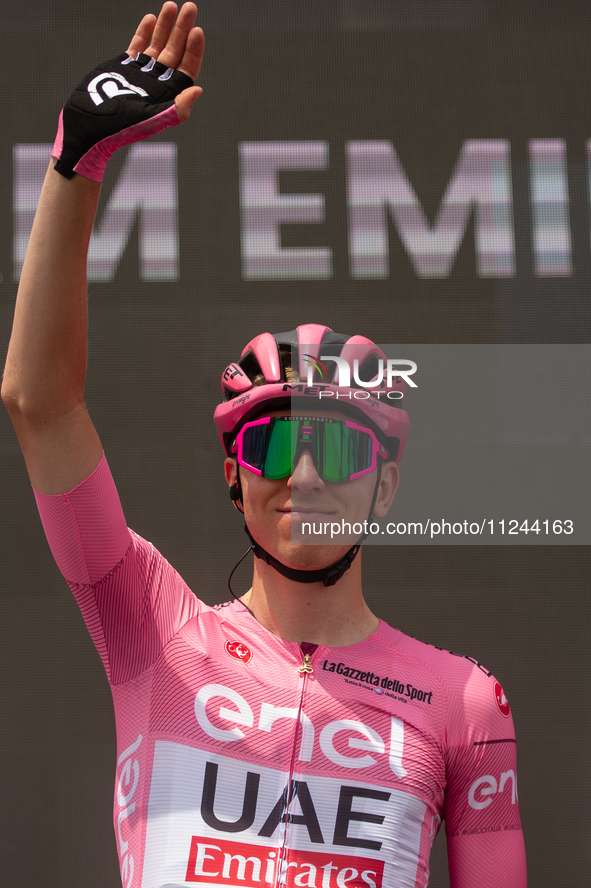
(245, 760)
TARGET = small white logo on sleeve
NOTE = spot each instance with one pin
(110, 85)
(484, 787)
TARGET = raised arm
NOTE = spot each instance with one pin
(43, 385)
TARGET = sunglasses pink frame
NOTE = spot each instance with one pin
(377, 448)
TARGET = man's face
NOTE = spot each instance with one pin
(276, 510)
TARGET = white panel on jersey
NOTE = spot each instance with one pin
(205, 827)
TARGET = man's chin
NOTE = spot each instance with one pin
(304, 556)
(314, 530)
(311, 540)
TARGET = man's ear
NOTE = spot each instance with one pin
(230, 470)
(388, 485)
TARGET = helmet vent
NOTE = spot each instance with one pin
(252, 368)
(368, 370)
(289, 364)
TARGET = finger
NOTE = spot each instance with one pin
(190, 63)
(163, 29)
(174, 50)
(185, 101)
(141, 38)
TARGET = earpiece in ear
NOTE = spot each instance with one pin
(236, 497)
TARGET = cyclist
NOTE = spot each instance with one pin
(291, 737)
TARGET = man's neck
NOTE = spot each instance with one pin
(334, 615)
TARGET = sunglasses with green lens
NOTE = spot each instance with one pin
(341, 449)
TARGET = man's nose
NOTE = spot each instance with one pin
(305, 477)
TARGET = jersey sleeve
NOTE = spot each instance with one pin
(132, 600)
(481, 810)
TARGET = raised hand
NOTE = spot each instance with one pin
(175, 44)
(134, 95)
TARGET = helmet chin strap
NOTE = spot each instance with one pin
(326, 575)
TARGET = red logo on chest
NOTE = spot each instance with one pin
(238, 650)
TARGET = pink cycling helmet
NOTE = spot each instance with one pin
(258, 383)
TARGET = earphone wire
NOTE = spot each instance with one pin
(232, 593)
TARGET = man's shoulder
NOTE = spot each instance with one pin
(473, 695)
(446, 663)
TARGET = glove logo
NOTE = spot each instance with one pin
(110, 85)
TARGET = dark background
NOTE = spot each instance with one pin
(426, 75)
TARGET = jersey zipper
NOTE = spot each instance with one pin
(305, 670)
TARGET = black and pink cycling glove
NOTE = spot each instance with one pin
(120, 102)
